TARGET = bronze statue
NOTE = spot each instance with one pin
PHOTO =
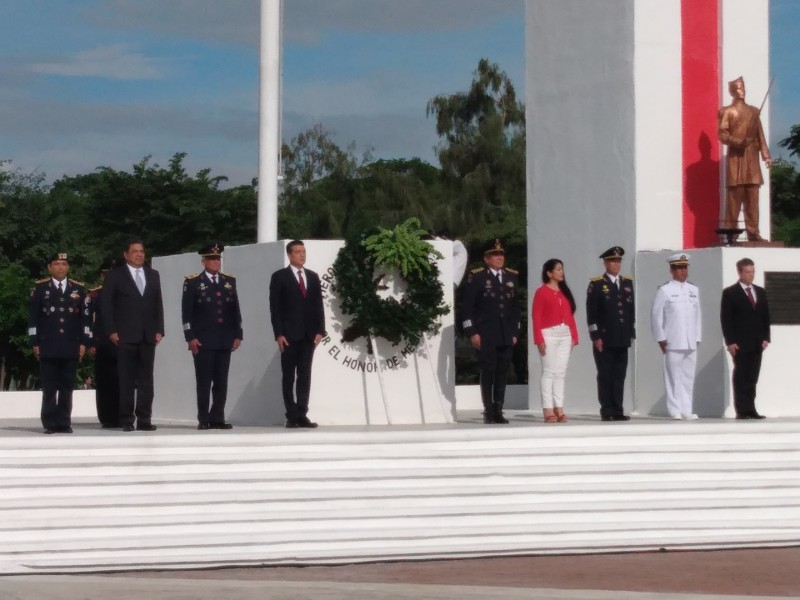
(740, 129)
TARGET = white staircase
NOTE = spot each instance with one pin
(103, 502)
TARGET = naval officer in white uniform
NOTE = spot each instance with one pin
(676, 324)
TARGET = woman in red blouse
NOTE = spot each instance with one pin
(554, 333)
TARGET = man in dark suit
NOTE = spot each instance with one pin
(58, 333)
(298, 322)
(133, 317)
(106, 378)
(212, 326)
(744, 314)
(490, 314)
(611, 315)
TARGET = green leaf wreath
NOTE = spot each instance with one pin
(359, 271)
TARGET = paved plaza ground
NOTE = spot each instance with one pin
(697, 575)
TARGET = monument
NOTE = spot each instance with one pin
(622, 106)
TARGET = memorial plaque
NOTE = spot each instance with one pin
(783, 291)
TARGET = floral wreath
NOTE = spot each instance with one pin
(360, 268)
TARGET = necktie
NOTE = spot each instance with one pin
(616, 284)
(60, 289)
(302, 283)
(214, 279)
(139, 282)
(750, 296)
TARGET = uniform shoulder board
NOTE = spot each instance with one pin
(599, 278)
(43, 280)
(76, 282)
(226, 275)
(626, 278)
(477, 270)
(193, 276)
(510, 270)
(96, 288)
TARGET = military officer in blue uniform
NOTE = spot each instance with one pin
(610, 312)
(212, 326)
(491, 319)
(58, 332)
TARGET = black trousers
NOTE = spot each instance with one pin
(211, 375)
(494, 362)
(746, 368)
(106, 384)
(58, 380)
(612, 366)
(296, 361)
(135, 367)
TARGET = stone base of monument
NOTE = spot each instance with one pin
(398, 384)
(101, 500)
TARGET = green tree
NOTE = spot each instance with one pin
(785, 202)
(170, 210)
(482, 154)
(792, 141)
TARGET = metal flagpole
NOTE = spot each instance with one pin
(269, 119)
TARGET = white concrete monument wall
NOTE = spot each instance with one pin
(581, 155)
(419, 383)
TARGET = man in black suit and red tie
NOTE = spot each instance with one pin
(744, 314)
(298, 321)
(133, 317)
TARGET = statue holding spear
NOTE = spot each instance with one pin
(741, 131)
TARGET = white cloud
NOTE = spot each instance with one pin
(117, 61)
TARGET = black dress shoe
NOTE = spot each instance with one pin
(755, 415)
(622, 418)
(127, 428)
(110, 426)
(606, 418)
(65, 430)
(202, 426)
(146, 427)
(292, 424)
(500, 419)
(220, 426)
(308, 424)
(49, 430)
(743, 417)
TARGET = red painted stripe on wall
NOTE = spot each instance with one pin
(700, 65)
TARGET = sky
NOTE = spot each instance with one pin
(89, 83)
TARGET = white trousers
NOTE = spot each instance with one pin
(679, 369)
(558, 341)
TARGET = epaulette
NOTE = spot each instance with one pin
(226, 275)
(600, 278)
(193, 276)
(478, 270)
(510, 270)
(626, 278)
(44, 280)
(76, 282)
(96, 289)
